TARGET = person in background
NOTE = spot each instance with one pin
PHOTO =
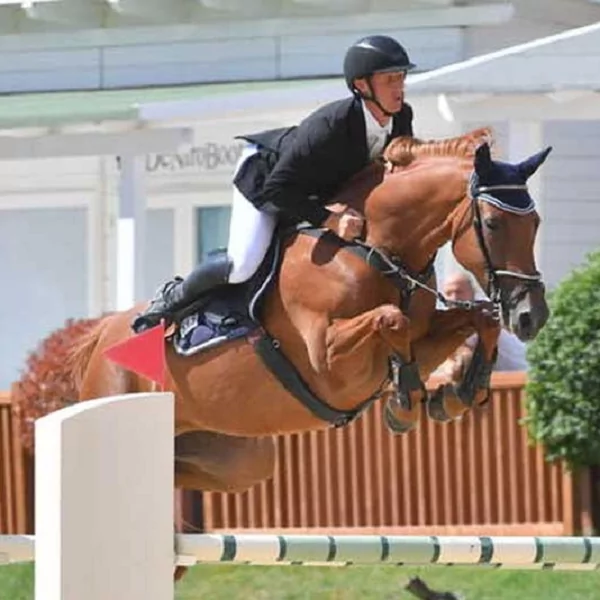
(511, 350)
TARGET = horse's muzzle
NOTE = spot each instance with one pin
(529, 314)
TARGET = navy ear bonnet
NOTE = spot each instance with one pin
(504, 184)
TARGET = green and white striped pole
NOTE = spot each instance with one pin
(515, 552)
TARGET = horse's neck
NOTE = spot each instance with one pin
(412, 222)
(359, 187)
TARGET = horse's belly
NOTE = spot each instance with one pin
(232, 392)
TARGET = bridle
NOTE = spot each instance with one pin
(482, 192)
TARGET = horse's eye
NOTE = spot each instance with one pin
(492, 223)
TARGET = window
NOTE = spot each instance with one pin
(213, 229)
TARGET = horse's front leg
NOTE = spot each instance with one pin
(474, 387)
(376, 332)
(448, 330)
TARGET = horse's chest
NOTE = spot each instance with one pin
(420, 310)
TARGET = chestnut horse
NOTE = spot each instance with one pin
(356, 328)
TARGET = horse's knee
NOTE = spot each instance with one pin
(390, 317)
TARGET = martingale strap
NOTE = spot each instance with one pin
(397, 273)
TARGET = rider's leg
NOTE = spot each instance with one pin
(177, 294)
(250, 234)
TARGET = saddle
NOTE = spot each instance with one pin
(228, 312)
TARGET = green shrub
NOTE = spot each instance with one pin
(563, 389)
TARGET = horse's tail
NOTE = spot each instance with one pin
(81, 352)
(46, 383)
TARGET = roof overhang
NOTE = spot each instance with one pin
(134, 141)
(19, 16)
(566, 61)
(493, 107)
(143, 120)
(555, 77)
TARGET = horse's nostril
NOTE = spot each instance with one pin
(525, 322)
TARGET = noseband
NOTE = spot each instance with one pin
(482, 192)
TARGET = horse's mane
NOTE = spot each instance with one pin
(402, 151)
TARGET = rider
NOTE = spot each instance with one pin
(292, 173)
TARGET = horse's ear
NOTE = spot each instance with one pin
(530, 165)
(483, 158)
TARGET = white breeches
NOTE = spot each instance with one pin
(250, 232)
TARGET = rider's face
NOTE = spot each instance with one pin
(388, 88)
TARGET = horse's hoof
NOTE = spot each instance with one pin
(436, 408)
(396, 425)
(179, 572)
(465, 392)
(482, 398)
(473, 397)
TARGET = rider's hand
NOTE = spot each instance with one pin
(347, 224)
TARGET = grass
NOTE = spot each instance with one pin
(222, 582)
(16, 582)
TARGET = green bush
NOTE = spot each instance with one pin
(563, 389)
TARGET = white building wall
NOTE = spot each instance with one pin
(571, 200)
(52, 244)
(43, 271)
(44, 249)
(48, 182)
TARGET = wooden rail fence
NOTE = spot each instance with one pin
(13, 502)
(477, 476)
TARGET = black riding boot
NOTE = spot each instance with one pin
(179, 293)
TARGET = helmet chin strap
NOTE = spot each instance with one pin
(372, 98)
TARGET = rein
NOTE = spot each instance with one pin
(413, 282)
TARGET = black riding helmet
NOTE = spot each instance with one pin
(374, 54)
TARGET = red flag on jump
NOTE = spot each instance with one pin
(143, 354)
